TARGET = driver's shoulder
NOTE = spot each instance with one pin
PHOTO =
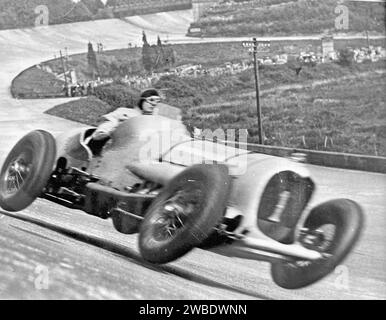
(121, 114)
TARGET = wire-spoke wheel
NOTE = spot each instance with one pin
(185, 213)
(17, 173)
(26, 170)
(176, 211)
(332, 229)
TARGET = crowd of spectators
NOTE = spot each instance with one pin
(140, 82)
(81, 89)
(359, 55)
(371, 53)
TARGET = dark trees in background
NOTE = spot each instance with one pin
(92, 61)
(346, 57)
(157, 57)
(146, 54)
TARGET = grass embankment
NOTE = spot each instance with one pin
(36, 83)
(328, 107)
(188, 92)
(345, 115)
(86, 110)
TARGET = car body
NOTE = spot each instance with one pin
(261, 200)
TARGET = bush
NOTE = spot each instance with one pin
(117, 95)
(346, 57)
(246, 77)
(181, 92)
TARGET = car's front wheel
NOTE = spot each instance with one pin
(26, 170)
(185, 213)
(332, 229)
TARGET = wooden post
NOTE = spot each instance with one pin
(64, 72)
(257, 85)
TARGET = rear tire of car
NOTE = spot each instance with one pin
(27, 168)
(196, 200)
(347, 219)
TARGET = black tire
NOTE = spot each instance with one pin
(347, 218)
(34, 155)
(201, 188)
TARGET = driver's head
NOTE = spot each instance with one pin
(148, 101)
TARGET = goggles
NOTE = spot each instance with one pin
(153, 100)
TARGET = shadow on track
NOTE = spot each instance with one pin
(123, 251)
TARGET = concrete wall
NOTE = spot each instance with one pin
(140, 7)
(328, 159)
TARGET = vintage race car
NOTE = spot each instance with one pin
(180, 192)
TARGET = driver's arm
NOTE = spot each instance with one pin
(111, 121)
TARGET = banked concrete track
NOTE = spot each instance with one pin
(49, 252)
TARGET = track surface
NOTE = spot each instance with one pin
(49, 252)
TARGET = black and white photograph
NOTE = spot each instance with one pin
(192, 156)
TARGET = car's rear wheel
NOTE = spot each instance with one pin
(185, 213)
(26, 170)
(332, 229)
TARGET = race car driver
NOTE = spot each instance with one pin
(147, 104)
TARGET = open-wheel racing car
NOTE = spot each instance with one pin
(151, 177)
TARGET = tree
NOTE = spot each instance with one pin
(92, 61)
(147, 60)
(159, 54)
(144, 39)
